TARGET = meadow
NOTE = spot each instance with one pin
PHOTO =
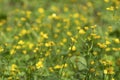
(59, 39)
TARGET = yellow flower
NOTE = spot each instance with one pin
(13, 67)
(51, 69)
(47, 53)
(39, 64)
(92, 62)
(117, 40)
(54, 8)
(109, 70)
(69, 33)
(23, 19)
(58, 67)
(1, 49)
(107, 49)
(106, 1)
(73, 39)
(111, 8)
(30, 45)
(66, 9)
(86, 28)
(23, 32)
(102, 45)
(65, 65)
(81, 31)
(93, 27)
(24, 51)
(28, 13)
(44, 35)
(73, 48)
(95, 53)
(105, 71)
(108, 42)
(115, 49)
(40, 10)
(36, 49)
(21, 42)
(64, 40)
(50, 43)
(12, 51)
(76, 15)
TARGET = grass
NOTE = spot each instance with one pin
(59, 40)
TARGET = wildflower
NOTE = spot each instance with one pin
(40, 10)
(73, 39)
(108, 42)
(69, 33)
(65, 65)
(44, 35)
(1, 49)
(24, 51)
(81, 31)
(9, 28)
(10, 78)
(30, 45)
(93, 27)
(47, 53)
(95, 53)
(110, 8)
(105, 71)
(16, 37)
(58, 67)
(28, 13)
(54, 8)
(36, 49)
(115, 49)
(53, 15)
(92, 62)
(107, 49)
(73, 48)
(106, 1)
(89, 4)
(39, 64)
(51, 69)
(66, 9)
(76, 15)
(23, 19)
(23, 32)
(86, 28)
(21, 42)
(102, 45)
(109, 70)
(18, 47)
(14, 69)
(12, 51)
(64, 40)
(116, 40)
(50, 43)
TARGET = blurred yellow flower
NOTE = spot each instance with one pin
(40, 10)
(39, 64)
(1, 49)
(81, 31)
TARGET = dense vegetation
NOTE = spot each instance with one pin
(59, 40)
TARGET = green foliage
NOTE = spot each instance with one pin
(59, 39)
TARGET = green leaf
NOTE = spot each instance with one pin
(79, 62)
